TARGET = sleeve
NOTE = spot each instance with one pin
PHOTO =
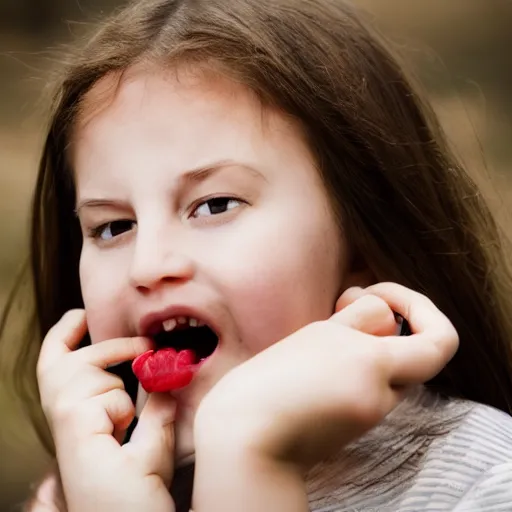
(492, 492)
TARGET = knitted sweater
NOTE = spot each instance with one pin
(429, 454)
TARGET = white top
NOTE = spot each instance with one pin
(429, 454)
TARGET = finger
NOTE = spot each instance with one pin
(416, 360)
(63, 337)
(349, 296)
(421, 356)
(119, 410)
(97, 417)
(152, 441)
(369, 314)
(119, 350)
(420, 312)
(90, 383)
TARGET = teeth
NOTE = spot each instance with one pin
(169, 325)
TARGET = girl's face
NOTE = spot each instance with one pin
(194, 199)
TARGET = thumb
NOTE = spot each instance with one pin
(152, 441)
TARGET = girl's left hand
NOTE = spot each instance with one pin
(88, 411)
(328, 383)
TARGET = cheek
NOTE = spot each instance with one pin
(290, 280)
(103, 299)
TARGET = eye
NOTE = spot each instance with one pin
(110, 230)
(215, 206)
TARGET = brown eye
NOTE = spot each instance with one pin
(112, 229)
(215, 206)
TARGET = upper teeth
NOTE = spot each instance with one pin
(170, 324)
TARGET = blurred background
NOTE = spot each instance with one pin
(459, 49)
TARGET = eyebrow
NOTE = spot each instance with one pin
(95, 203)
(185, 180)
(202, 173)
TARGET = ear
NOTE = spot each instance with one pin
(358, 274)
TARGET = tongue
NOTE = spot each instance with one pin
(164, 370)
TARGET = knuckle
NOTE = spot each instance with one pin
(68, 316)
(49, 381)
(368, 406)
(367, 383)
(384, 286)
(361, 403)
(382, 360)
(454, 335)
(374, 303)
(373, 300)
(373, 361)
(64, 411)
(393, 287)
(451, 340)
(367, 410)
(376, 371)
(119, 403)
(116, 383)
(119, 396)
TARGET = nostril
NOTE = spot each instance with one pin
(146, 285)
(153, 265)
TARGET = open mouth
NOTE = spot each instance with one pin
(182, 345)
(187, 334)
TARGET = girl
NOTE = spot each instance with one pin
(262, 171)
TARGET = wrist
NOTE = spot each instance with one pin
(231, 475)
(249, 434)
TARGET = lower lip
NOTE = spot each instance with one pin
(197, 366)
(202, 362)
(206, 362)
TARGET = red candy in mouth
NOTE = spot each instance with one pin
(165, 370)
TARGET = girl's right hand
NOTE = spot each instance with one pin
(88, 411)
(307, 396)
(310, 394)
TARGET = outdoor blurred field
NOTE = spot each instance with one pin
(460, 49)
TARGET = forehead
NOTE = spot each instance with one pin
(142, 84)
(179, 90)
(184, 114)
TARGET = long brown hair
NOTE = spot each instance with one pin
(406, 205)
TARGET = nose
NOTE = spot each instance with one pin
(156, 262)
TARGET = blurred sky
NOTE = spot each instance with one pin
(460, 49)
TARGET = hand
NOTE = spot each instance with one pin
(327, 384)
(47, 495)
(88, 411)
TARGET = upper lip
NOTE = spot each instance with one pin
(151, 323)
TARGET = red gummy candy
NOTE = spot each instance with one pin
(165, 369)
